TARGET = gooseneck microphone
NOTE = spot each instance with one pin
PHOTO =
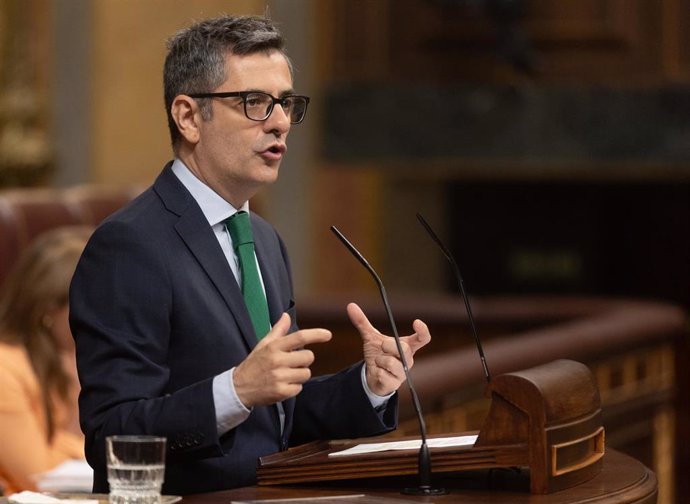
(424, 468)
(461, 285)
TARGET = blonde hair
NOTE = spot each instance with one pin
(38, 283)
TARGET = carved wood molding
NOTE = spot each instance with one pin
(612, 41)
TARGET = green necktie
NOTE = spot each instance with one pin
(240, 230)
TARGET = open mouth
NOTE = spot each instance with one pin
(274, 152)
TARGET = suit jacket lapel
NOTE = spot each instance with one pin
(194, 230)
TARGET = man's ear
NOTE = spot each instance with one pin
(186, 114)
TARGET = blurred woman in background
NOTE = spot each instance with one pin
(38, 384)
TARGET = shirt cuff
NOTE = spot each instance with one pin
(230, 412)
(377, 401)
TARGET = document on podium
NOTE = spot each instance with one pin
(371, 458)
(410, 444)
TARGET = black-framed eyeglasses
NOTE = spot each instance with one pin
(258, 105)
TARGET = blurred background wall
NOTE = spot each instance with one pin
(548, 141)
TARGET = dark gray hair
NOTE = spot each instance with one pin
(195, 62)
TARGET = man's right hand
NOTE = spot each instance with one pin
(278, 366)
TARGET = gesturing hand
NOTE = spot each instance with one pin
(384, 369)
(278, 366)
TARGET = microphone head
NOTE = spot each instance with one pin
(353, 250)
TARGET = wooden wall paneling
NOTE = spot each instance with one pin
(676, 25)
(582, 41)
(682, 410)
(604, 41)
(684, 45)
(611, 41)
(441, 41)
(354, 35)
(351, 201)
(130, 140)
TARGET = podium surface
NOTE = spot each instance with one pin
(622, 480)
(546, 418)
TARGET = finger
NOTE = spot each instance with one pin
(390, 347)
(360, 320)
(301, 359)
(299, 339)
(391, 365)
(279, 329)
(420, 338)
(292, 375)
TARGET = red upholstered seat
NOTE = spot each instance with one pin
(27, 212)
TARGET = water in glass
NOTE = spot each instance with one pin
(135, 483)
(136, 468)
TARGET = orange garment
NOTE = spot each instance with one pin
(24, 448)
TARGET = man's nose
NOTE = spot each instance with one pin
(278, 120)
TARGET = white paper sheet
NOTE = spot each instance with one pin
(412, 444)
(70, 476)
(27, 497)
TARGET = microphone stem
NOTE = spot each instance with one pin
(424, 456)
(424, 468)
(410, 386)
(461, 285)
(470, 316)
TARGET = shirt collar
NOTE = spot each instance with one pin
(214, 208)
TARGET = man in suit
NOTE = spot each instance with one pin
(166, 342)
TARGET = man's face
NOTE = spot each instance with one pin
(236, 156)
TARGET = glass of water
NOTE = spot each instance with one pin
(136, 467)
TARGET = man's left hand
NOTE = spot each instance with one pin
(384, 369)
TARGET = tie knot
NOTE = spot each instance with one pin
(240, 229)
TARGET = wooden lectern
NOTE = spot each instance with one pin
(546, 419)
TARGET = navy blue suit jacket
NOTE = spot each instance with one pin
(156, 313)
